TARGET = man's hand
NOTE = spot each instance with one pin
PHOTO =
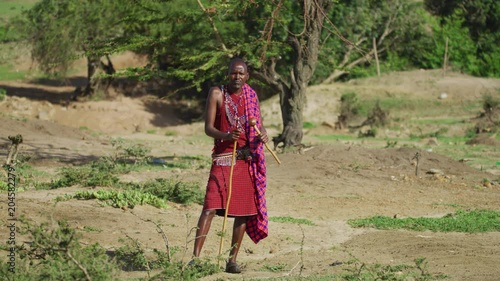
(235, 135)
(263, 137)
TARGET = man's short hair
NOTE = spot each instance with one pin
(237, 60)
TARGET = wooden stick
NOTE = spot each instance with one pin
(233, 162)
(253, 123)
(269, 149)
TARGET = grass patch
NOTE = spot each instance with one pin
(154, 192)
(121, 199)
(8, 74)
(27, 177)
(336, 137)
(171, 190)
(10, 9)
(274, 267)
(438, 121)
(482, 155)
(291, 220)
(308, 125)
(357, 270)
(461, 221)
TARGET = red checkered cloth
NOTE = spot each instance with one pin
(257, 226)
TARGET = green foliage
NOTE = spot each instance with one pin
(480, 20)
(461, 221)
(55, 253)
(355, 269)
(131, 257)
(349, 105)
(308, 125)
(27, 177)
(490, 104)
(275, 267)
(358, 270)
(3, 94)
(62, 31)
(461, 48)
(172, 190)
(179, 271)
(121, 199)
(125, 151)
(397, 26)
(291, 220)
(99, 173)
(391, 144)
(436, 134)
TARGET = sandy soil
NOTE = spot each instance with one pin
(327, 184)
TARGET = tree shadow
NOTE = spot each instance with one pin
(76, 81)
(167, 111)
(37, 93)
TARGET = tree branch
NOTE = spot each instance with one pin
(83, 269)
(216, 31)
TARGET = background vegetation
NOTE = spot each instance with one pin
(288, 45)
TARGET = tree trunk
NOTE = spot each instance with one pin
(292, 102)
(292, 91)
(306, 46)
(93, 81)
(92, 65)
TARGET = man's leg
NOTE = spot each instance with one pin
(201, 233)
(240, 225)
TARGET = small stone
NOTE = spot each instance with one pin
(435, 172)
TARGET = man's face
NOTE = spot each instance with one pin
(238, 76)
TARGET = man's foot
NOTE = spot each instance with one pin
(232, 267)
(194, 262)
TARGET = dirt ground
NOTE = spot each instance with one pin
(326, 183)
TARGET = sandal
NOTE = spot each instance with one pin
(232, 267)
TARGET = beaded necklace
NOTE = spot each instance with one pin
(232, 111)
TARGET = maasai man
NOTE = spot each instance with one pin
(228, 109)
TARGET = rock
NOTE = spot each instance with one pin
(45, 114)
(435, 172)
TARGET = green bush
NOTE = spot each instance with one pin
(461, 48)
(135, 152)
(120, 199)
(99, 173)
(172, 190)
(55, 253)
(3, 94)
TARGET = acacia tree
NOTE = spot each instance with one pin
(280, 40)
(62, 31)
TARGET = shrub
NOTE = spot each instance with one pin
(55, 253)
(172, 190)
(3, 94)
(120, 199)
